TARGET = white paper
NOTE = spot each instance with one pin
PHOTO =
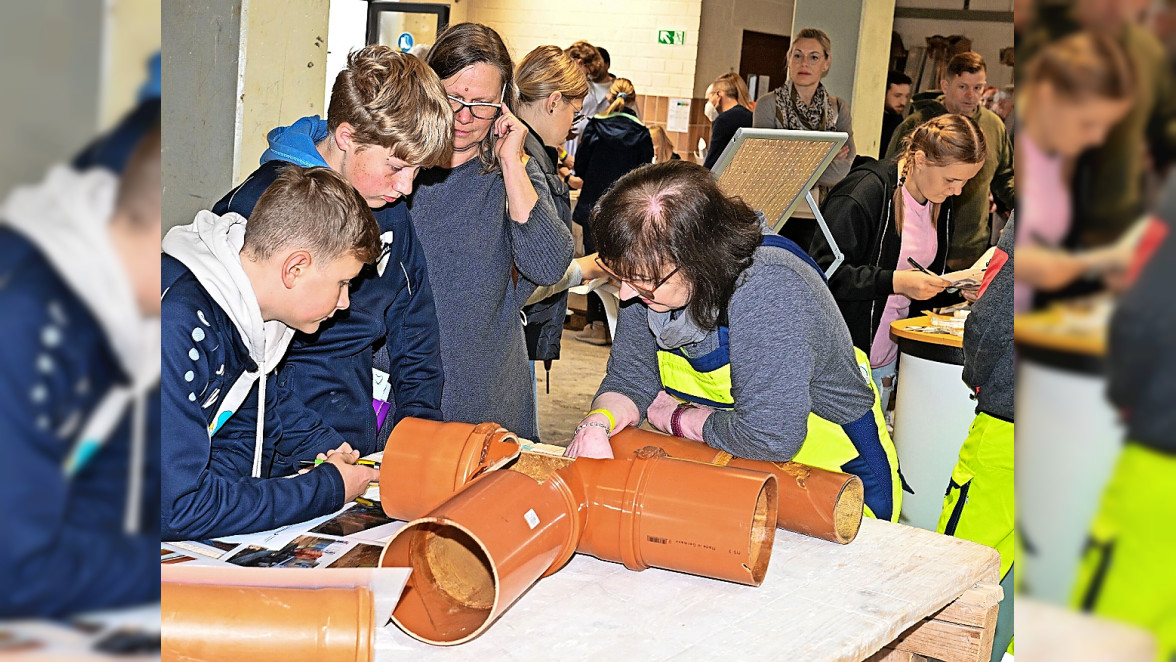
(678, 118)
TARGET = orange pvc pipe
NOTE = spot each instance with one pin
(816, 502)
(214, 622)
(474, 555)
(653, 511)
(426, 462)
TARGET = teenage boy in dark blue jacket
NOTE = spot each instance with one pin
(79, 389)
(388, 117)
(234, 294)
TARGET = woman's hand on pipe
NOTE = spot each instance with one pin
(660, 411)
(591, 440)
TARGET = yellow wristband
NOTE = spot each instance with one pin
(612, 421)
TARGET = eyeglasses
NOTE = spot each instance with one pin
(648, 294)
(479, 109)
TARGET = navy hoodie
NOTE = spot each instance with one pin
(217, 461)
(85, 537)
(611, 146)
(391, 307)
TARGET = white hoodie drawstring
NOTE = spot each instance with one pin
(260, 438)
(132, 515)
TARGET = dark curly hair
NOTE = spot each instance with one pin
(673, 215)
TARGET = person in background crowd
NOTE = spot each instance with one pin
(898, 97)
(592, 64)
(966, 78)
(663, 147)
(803, 104)
(728, 107)
(551, 89)
(607, 63)
(614, 142)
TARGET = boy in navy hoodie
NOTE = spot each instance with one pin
(388, 117)
(234, 294)
(79, 389)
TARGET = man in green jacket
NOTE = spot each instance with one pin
(967, 76)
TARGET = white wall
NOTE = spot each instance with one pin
(720, 34)
(627, 28)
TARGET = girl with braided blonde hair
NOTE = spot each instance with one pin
(885, 214)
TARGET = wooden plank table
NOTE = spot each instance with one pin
(910, 590)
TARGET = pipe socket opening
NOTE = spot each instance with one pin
(451, 594)
(763, 531)
(847, 513)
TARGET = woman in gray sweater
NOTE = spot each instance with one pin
(491, 233)
(730, 336)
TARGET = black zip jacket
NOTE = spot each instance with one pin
(860, 214)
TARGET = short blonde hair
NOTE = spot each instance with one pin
(548, 69)
(316, 210)
(394, 100)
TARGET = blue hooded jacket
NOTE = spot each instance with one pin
(391, 307)
(76, 540)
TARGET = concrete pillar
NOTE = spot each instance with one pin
(860, 32)
(233, 69)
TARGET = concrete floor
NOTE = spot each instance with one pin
(574, 379)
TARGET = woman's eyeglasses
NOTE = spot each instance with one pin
(646, 293)
(480, 109)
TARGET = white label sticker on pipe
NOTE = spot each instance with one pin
(532, 518)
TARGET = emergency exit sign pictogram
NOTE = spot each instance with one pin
(671, 37)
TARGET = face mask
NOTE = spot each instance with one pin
(710, 111)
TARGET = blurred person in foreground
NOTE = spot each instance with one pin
(1108, 191)
(1076, 90)
(1126, 573)
(79, 388)
(979, 504)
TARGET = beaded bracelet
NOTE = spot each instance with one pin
(612, 421)
(590, 424)
(676, 418)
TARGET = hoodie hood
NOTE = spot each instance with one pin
(210, 246)
(67, 217)
(296, 143)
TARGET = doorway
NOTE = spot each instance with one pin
(403, 25)
(763, 61)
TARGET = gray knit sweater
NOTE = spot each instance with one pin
(790, 355)
(470, 245)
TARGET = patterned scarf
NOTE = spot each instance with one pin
(791, 113)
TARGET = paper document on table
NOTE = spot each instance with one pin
(965, 278)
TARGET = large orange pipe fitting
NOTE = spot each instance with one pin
(213, 622)
(474, 555)
(651, 511)
(816, 502)
(426, 462)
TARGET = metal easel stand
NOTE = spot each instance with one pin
(838, 256)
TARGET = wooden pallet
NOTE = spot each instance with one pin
(960, 632)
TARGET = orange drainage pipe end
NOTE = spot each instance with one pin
(212, 622)
(474, 555)
(816, 502)
(426, 462)
(650, 510)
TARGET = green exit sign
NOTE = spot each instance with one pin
(671, 37)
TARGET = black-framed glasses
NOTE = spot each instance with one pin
(646, 293)
(482, 110)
